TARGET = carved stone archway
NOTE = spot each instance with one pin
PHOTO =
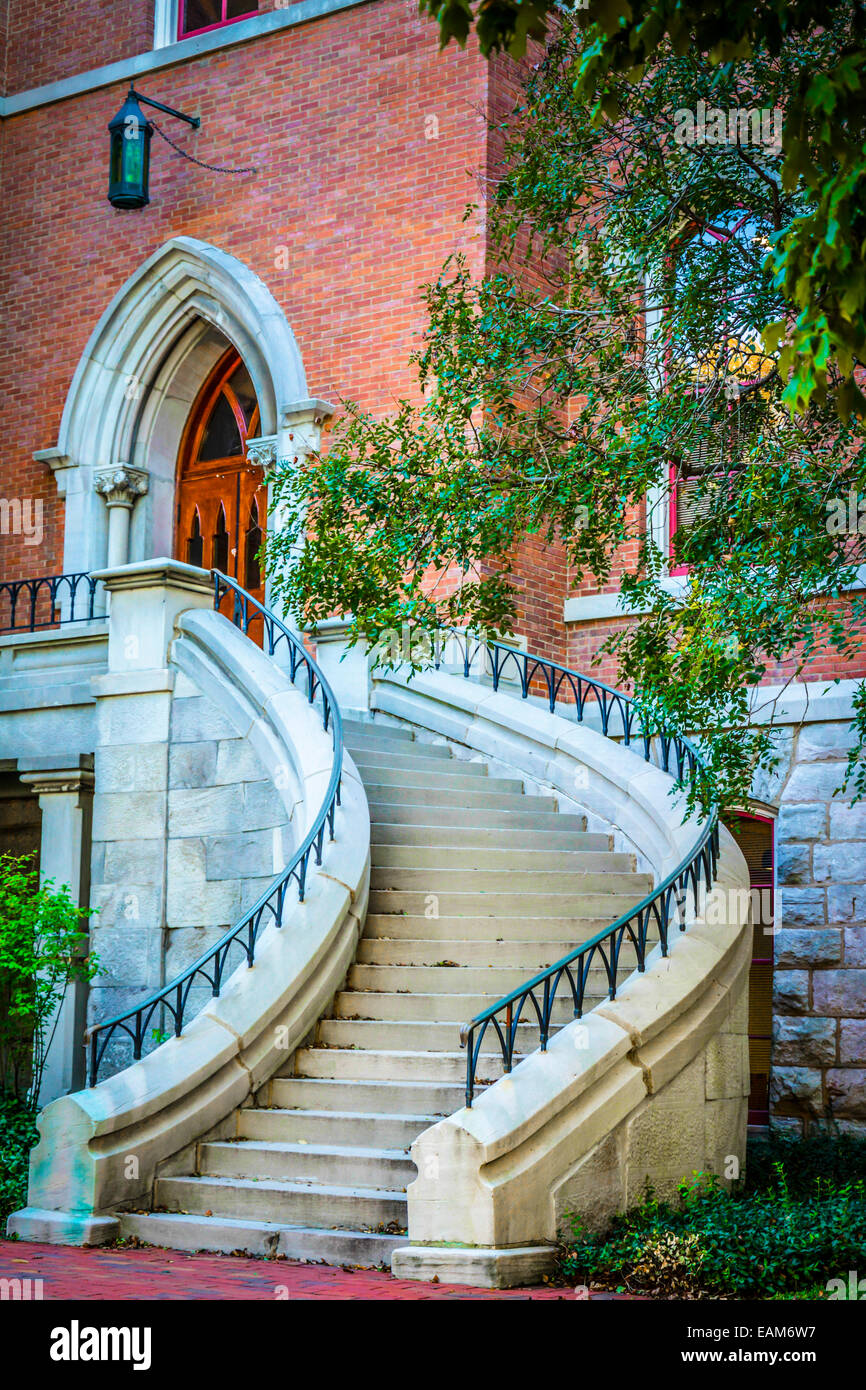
(135, 384)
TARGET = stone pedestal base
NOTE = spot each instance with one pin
(62, 1227)
(481, 1267)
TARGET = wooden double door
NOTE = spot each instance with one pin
(222, 498)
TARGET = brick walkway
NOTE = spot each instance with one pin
(149, 1273)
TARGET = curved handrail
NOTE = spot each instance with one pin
(211, 964)
(56, 589)
(621, 718)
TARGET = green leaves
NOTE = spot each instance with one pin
(777, 1238)
(43, 946)
(823, 141)
(630, 359)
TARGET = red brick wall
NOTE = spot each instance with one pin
(56, 38)
(336, 115)
(333, 114)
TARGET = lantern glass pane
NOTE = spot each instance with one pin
(116, 165)
(133, 151)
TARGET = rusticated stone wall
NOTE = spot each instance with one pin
(819, 1036)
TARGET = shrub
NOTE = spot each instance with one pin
(755, 1243)
(827, 1156)
(43, 947)
(17, 1137)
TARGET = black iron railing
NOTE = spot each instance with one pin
(27, 605)
(621, 718)
(239, 942)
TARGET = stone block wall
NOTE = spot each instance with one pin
(188, 831)
(819, 1032)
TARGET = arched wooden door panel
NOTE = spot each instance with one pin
(222, 498)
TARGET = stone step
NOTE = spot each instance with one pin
(369, 761)
(333, 1127)
(395, 784)
(466, 837)
(581, 903)
(453, 1008)
(375, 1065)
(379, 1035)
(178, 1231)
(450, 779)
(302, 1204)
(520, 813)
(440, 877)
(388, 740)
(330, 1164)
(511, 798)
(354, 729)
(447, 979)
(358, 1096)
(503, 861)
(528, 956)
(395, 926)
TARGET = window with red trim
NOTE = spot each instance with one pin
(197, 16)
(736, 363)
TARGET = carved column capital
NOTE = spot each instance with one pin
(121, 485)
(263, 452)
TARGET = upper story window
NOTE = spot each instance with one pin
(197, 16)
(713, 353)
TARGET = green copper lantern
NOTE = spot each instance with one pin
(129, 168)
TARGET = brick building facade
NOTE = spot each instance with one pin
(366, 145)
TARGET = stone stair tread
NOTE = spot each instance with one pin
(369, 761)
(309, 1150)
(475, 1001)
(423, 1120)
(285, 1185)
(457, 1053)
(244, 1223)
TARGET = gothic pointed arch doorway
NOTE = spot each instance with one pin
(222, 497)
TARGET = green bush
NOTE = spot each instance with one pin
(17, 1137)
(826, 1157)
(767, 1241)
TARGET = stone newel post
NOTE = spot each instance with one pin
(130, 804)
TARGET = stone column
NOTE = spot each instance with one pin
(121, 486)
(131, 765)
(347, 669)
(65, 792)
(299, 436)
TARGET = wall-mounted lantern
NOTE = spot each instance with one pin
(129, 162)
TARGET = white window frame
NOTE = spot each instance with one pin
(165, 16)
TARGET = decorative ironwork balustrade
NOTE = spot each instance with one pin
(619, 717)
(28, 605)
(239, 942)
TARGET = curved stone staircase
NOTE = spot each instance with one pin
(475, 887)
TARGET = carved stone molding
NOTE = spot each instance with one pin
(121, 485)
(263, 452)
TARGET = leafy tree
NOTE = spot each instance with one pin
(614, 354)
(43, 945)
(817, 257)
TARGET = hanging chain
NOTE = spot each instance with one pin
(214, 168)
